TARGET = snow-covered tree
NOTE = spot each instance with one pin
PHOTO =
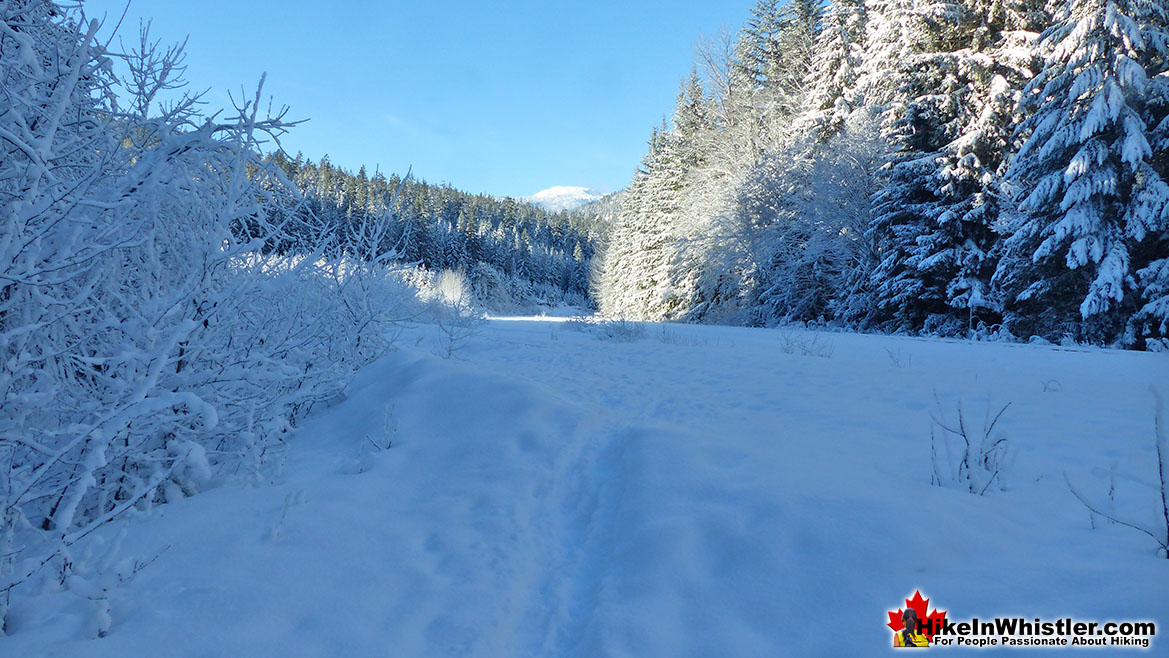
(635, 244)
(799, 30)
(811, 207)
(731, 221)
(1090, 178)
(950, 119)
(151, 338)
(895, 31)
(835, 65)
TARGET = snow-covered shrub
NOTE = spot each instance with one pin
(452, 289)
(578, 323)
(993, 333)
(454, 311)
(1156, 524)
(495, 290)
(580, 300)
(965, 456)
(943, 326)
(151, 341)
(620, 330)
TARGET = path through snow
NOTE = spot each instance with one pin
(698, 492)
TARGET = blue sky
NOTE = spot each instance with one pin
(506, 98)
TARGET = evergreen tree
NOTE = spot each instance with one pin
(1090, 177)
(895, 32)
(951, 119)
(758, 46)
(754, 81)
(631, 271)
(834, 68)
(1035, 199)
(799, 30)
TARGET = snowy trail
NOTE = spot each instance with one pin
(698, 492)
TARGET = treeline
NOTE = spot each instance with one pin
(513, 253)
(954, 167)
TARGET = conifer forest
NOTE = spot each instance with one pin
(966, 168)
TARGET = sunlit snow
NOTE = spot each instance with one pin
(566, 488)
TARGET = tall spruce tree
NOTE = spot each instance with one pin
(922, 116)
(799, 29)
(952, 125)
(1090, 177)
(835, 65)
(894, 32)
(633, 266)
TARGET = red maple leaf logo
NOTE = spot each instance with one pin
(929, 623)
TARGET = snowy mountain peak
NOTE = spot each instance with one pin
(563, 197)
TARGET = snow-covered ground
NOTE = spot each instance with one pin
(557, 490)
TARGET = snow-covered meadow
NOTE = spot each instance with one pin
(563, 488)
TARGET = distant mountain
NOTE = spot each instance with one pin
(563, 197)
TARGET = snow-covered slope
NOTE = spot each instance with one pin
(692, 491)
(563, 197)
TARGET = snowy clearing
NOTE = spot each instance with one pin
(689, 491)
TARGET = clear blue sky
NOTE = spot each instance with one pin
(505, 98)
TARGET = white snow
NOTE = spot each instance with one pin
(701, 491)
(563, 197)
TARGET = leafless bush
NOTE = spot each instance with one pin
(166, 288)
(621, 330)
(457, 326)
(672, 338)
(1157, 528)
(807, 343)
(389, 431)
(454, 312)
(578, 323)
(900, 359)
(964, 456)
